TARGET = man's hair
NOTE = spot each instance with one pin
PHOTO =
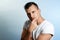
(29, 4)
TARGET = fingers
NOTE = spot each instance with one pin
(35, 20)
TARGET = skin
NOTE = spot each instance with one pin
(34, 14)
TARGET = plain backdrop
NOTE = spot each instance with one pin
(13, 16)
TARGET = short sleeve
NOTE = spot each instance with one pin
(48, 29)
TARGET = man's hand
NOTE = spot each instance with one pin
(32, 25)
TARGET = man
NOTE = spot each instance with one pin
(36, 28)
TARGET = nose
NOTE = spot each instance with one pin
(31, 15)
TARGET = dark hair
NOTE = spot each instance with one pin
(29, 4)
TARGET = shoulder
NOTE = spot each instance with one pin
(48, 28)
(26, 24)
(27, 21)
(48, 25)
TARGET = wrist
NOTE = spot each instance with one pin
(29, 31)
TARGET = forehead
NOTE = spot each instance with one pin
(32, 8)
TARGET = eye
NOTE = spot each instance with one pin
(33, 11)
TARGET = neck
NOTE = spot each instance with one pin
(40, 20)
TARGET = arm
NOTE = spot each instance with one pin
(26, 35)
(47, 33)
(44, 37)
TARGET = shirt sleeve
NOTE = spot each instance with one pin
(48, 29)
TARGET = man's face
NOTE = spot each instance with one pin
(32, 12)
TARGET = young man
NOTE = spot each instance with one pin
(36, 28)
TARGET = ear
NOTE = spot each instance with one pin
(40, 10)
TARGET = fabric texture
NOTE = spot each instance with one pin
(45, 28)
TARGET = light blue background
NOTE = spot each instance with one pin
(13, 16)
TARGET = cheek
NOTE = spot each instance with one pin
(35, 15)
